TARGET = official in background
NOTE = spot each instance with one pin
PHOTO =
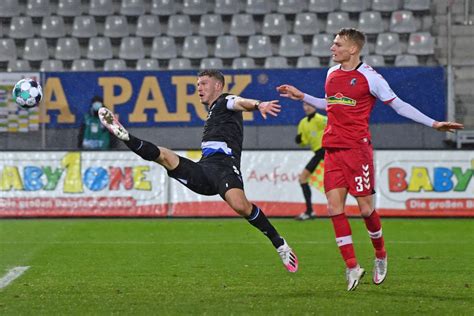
(310, 133)
(93, 135)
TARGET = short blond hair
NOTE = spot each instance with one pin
(354, 35)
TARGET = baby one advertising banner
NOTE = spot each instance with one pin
(121, 184)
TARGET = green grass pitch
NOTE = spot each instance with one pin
(227, 267)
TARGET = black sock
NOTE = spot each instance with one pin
(258, 219)
(142, 148)
(307, 197)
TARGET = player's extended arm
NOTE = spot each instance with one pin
(289, 91)
(264, 107)
(408, 111)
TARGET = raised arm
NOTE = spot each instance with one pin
(289, 91)
(264, 107)
(406, 110)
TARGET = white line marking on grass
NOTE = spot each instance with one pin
(11, 275)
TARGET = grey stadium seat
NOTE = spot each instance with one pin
(276, 62)
(323, 6)
(308, 62)
(164, 47)
(69, 8)
(83, 65)
(52, 65)
(148, 26)
(421, 43)
(336, 21)
(406, 60)
(385, 5)
(21, 27)
(179, 25)
(36, 49)
(84, 27)
(195, 7)
(131, 48)
(291, 45)
(242, 25)
(321, 45)
(53, 27)
(179, 64)
(354, 5)
(227, 46)
(7, 49)
(274, 24)
(370, 22)
(388, 44)
(259, 46)
(211, 63)
(101, 7)
(258, 7)
(226, 7)
(374, 60)
(195, 47)
(9, 8)
(211, 25)
(243, 63)
(163, 7)
(18, 65)
(67, 48)
(291, 6)
(306, 24)
(115, 65)
(116, 26)
(402, 22)
(132, 7)
(416, 5)
(99, 48)
(38, 8)
(147, 64)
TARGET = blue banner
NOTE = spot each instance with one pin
(169, 98)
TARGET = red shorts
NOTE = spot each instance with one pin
(351, 168)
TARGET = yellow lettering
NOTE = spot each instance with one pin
(109, 84)
(183, 99)
(139, 176)
(10, 179)
(419, 180)
(73, 180)
(54, 88)
(151, 86)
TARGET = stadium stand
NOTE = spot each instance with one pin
(242, 25)
(115, 65)
(227, 46)
(243, 63)
(147, 64)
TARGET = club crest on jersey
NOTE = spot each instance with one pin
(353, 81)
(339, 98)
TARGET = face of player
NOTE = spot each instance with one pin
(308, 109)
(343, 49)
(209, 89)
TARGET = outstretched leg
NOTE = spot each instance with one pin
(238, 201)
(144, 149)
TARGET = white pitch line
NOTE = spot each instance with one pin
(11, 275)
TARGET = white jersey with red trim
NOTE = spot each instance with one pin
(351, 96)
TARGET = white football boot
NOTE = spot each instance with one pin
(353, 277)
(380, 270)
(290, 261)
(108, 119)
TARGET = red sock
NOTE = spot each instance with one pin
(375, 232)
(344, 239)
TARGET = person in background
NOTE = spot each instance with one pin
(310, 133)
(93, 135)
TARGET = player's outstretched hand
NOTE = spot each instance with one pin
(447, 126)
(269, 107)
(288, 91)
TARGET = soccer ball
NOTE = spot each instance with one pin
(27, 93)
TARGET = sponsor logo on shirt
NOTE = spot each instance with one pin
(339, 98)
